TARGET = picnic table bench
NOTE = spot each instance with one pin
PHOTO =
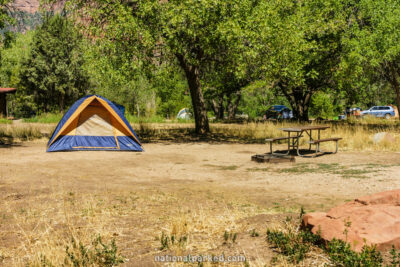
(317, 142)
(294, 141)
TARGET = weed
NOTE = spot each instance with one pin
(230, 236)
(166, 240)
(395, 261)
(254, 233)
(99, 254)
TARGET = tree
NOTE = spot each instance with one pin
(298, 47)
(372, 44)
(53, 76)
(185, 32)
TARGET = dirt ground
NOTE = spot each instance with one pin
(198, 195)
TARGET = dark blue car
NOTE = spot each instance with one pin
(278, 112)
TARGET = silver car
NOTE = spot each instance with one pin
(380, 111)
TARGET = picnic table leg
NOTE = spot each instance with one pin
(309, 146)
(318, 144)
(298, 145)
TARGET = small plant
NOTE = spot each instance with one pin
(295, 245)
(395, 261)
(253, 233)
(164, 241)
(44, 262)
(341, 254)
(230, 236)
(99, 254)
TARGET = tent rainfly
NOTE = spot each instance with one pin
(94, 123)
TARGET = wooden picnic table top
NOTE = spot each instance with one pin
(304, 128)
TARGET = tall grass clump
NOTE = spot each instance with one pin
(23, 132)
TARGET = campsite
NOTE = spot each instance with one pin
(199, 133)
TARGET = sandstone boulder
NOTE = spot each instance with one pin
(371, 220)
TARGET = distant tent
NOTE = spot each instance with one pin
(94, 123)
(184, 114)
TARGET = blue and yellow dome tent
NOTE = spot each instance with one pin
(94, 123)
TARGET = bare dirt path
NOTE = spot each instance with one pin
(197, 190)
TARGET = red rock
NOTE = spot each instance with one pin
(32, 6)
(373, 220)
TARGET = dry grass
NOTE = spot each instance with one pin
(41, 227)
(24, 131)
(357, 135)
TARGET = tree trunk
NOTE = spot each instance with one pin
(395, 84)
(233, 105)
(61, 103)
(300, 102)
(218, 107)
(193, 77)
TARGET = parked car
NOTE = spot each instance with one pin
(380, 111)
(278, 112)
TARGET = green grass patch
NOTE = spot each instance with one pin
(149, 119)
(222, 168)
(300, 168)
(356, 173)
(257, 169)
(45, 118)
(344, 171)
(5, 121)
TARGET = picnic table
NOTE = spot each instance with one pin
(299, 132)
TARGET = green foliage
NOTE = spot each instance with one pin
(98, 254)
(293, 244)
(12, 59)
(372, 50)
(395, 260)
(303, 41)
(52, 77)
(296, 245)
(340, 254)
(258, 97)
(322, 106)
